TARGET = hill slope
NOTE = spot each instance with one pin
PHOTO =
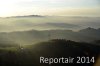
(56, 48)
(33, 36)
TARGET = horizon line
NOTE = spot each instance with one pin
(34, 15)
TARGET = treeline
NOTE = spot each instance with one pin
(55, 48)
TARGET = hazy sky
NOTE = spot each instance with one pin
(50, 7)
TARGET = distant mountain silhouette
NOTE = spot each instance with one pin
(96, 42)
(90, 30)
(28, 37)
(39, 22)
(25, 16)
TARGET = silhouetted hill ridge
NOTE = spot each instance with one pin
(30, 36)
(25, 16)
(54, 48)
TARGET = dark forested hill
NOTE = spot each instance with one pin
(55, 48)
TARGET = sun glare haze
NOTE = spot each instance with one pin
(49, 7)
